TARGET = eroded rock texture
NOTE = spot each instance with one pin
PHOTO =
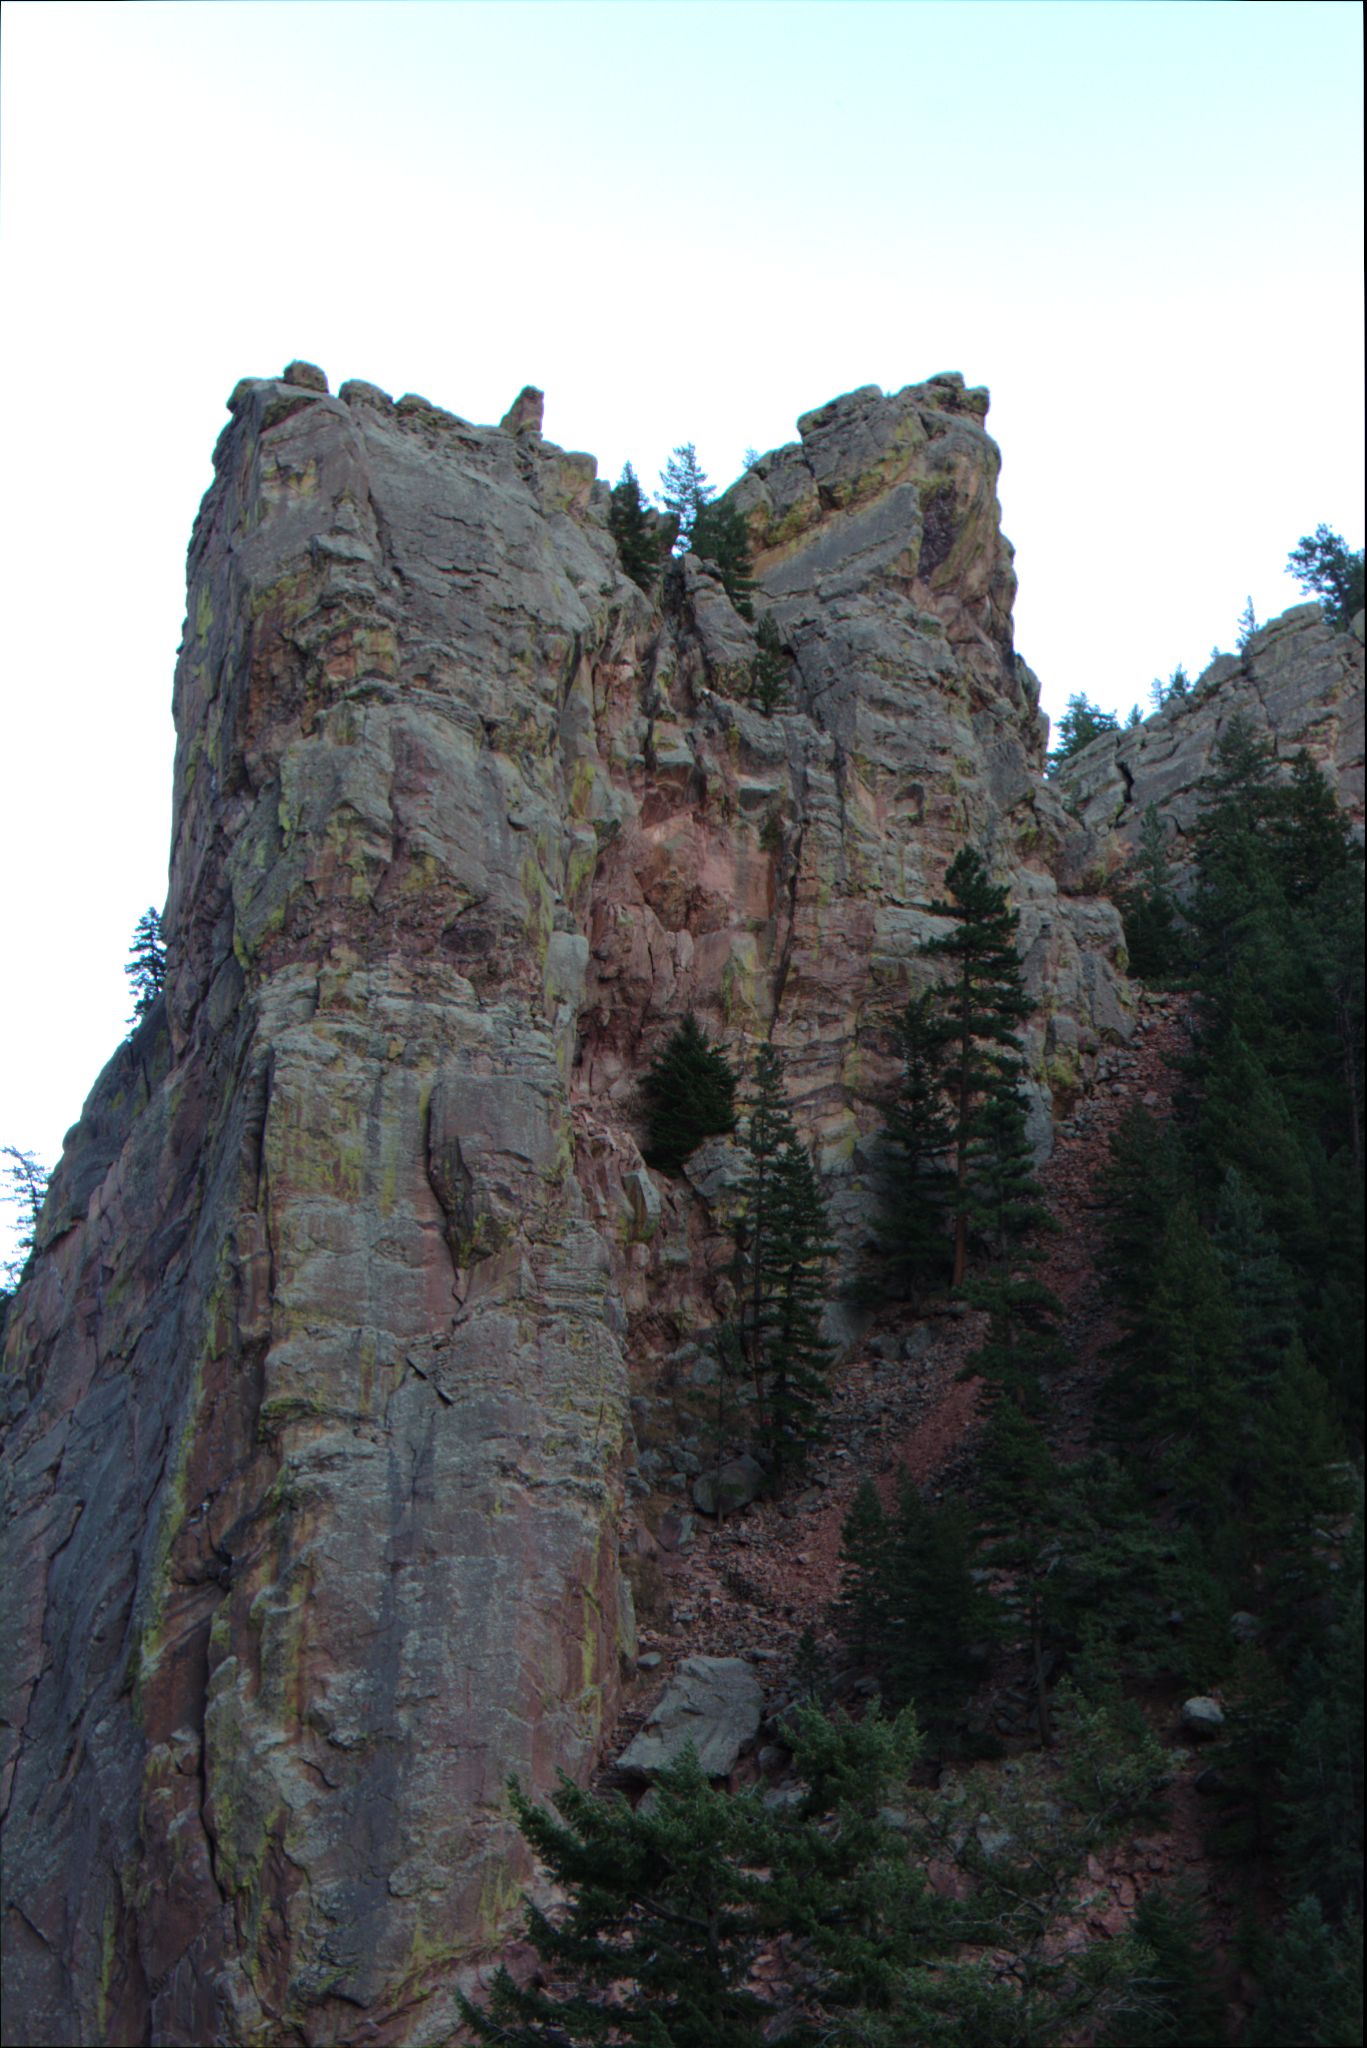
(317, 1387)
(1299, 682)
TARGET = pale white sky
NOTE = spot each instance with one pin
(1140, 225)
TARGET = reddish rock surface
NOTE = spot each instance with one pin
(318, 1408)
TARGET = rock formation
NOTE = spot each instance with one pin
(1298, 680)
(317, 1389)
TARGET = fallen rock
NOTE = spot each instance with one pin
(735, 1486)
(1202, 1717)
(676, 1530)
(715, 1703)
(716, 1170)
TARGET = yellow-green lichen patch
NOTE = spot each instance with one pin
(582, 784)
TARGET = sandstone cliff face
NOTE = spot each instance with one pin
(1300, 683)
(317, 1406)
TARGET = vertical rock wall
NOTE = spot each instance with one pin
(315, 1469)
(317, 1389)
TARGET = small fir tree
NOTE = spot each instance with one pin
(909, 1607)
(684, 491)
(1019, 1493)
(1180, 1397)
(1310, 1978)
(23, 1189)
(146, 968)
(1152, 935)
(769, 671)
(634, 530)
(1248, 626)
(1173, 1999)
(720, 535)
(1259, 1280)
(864, 1541)
(690, 1094)
(1080, 724)
(1007, 1209)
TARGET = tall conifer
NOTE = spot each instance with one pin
(917, 1136)
(984, 1005)
(631, 526)
(785, 1256)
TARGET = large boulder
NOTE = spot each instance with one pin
(712, 1703)
(739, 1481)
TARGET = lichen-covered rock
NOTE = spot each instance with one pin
(1298, 680)
(315, 1476)
(317, 1413)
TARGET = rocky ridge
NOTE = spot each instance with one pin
(1300, 683)
(317, 1404)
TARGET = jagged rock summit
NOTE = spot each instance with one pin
(317, 1394)
(1298, 681)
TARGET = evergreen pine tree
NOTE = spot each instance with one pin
(984, 1004)
(684, 491)
(1152, 935)
(667, 1906)
(23, 1188)
(666, 1914)
(1173, 1999)
(913, 1241)
(769, 674)
(1080, 724)
(689, 1092)
(909, 1609)
(1320, 1811)
(1311, 1981)
(1260, 1283)
(146, 967)
(630, 524)
(720, 535)
(861, 1609)
(1007, 1208)
(797, 1359)
(1019, 1492)
(1324, 563)
(1143, 1180)
(1182, 1399)
(785, 1255)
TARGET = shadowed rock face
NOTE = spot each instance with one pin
(1300, 683)
(316, 1396)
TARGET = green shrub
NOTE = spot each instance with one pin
(690, 1093)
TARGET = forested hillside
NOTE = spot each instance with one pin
(1065, 1742)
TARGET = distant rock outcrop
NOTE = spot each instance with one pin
(317, 1395)
(1298, 680)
